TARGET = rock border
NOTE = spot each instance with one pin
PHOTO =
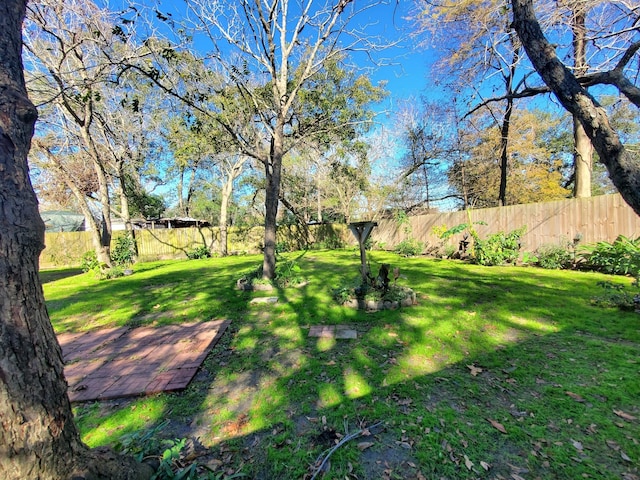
(248, 286)
(378, 305)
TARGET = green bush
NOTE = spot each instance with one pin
(113, 272)
(201, 251)
(616, 296)
(499, 248)
(529, 258)
(622, 257)
(124, 251)
(89, 261)
(288, 273)
(553, 257)
(409, 247)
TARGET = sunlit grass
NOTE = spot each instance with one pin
(533, 335)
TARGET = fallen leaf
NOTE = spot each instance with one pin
(624, 415)
(575, 396)
(497, 426)
(577, 445)
(364, 445)
(474, 370)
(624, 456)
(468, 463)
(613, 445)
(485, 465)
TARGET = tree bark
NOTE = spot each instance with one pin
(232, 170)
(582, 160)
(273, 171)
(506, 125)
(623, 170)
(38, 438)
(583, 150)
(504, 152)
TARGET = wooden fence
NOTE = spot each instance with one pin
(594, 219)
(66, 249)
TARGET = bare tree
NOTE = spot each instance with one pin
(281, 45)
(623, 170)
(487, 50)
(38, 438)
(73, 50)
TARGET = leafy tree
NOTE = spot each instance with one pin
(272, 53)
(535, 173)
(38, 438)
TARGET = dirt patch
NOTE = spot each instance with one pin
(385, 460)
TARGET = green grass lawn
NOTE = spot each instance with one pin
(498, 372)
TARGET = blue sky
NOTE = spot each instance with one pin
(407, 70)
(403, 67)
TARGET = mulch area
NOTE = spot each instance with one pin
(124, 362)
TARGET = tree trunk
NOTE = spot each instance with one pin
(124, 207)
(273, 171)
(232, 170)
(227, 190)
(104, 251)
(582, 160)
(583, 150)
(38, 438)
(504, 152)
(623, 170)
(92, 226)
(506, 125)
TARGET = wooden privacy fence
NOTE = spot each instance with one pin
(594, 219)
(66, 249)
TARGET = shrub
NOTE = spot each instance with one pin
(622, 257)
(288, 273)
(498, 248)
(553, 257)
(124, 251)
(89, 261)
(409, 247)
(529, 258)
(616, 296)
(201, 251)
(113, 272)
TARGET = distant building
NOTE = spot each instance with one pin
(162, 223)
(63, 221)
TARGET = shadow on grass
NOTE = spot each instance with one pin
(47, 276)
(269, 399)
